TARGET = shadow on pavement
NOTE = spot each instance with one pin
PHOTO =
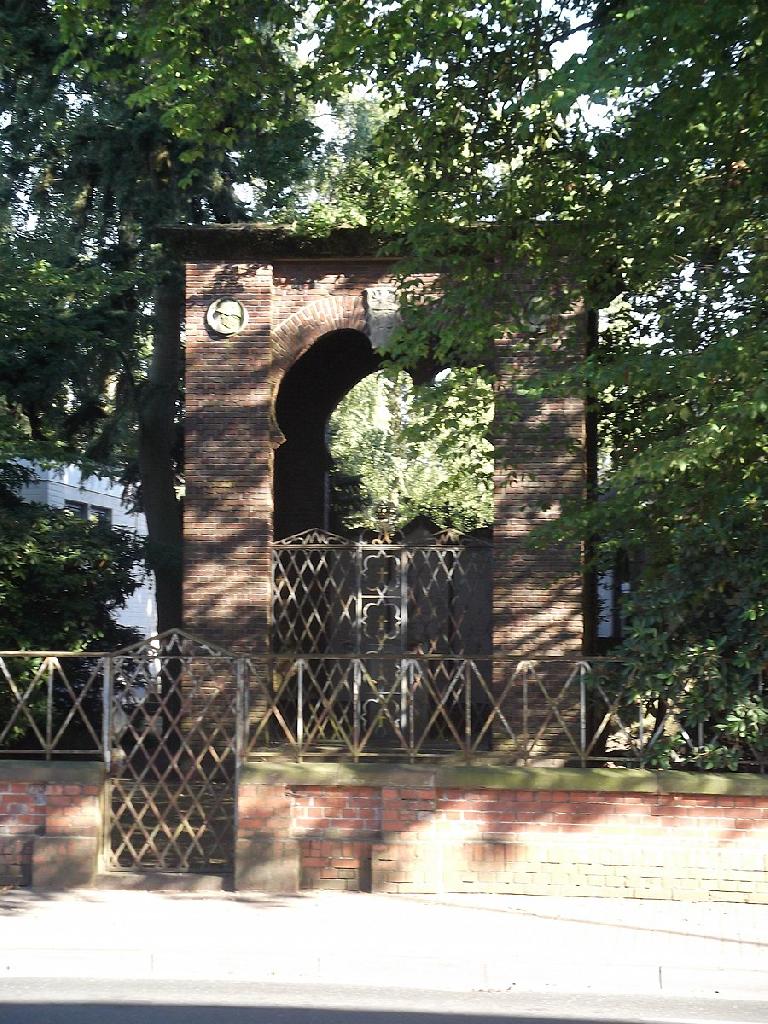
(21, 901)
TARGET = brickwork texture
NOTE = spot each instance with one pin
(49, 830)
(232, 434)
(433, 839)
(595, 836)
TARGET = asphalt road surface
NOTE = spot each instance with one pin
(56, 1001)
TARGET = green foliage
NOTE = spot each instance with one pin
(417, 451)
(681, 369)
(61, 578)
(217, 76)
(120, 119)
(696, 636)
(632, 173)
(350, 184)
(64, 343)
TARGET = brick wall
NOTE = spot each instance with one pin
(56, 806)
(335, 829)
(662, 846)
(651, 843)
(22, 816)
(228, 505)
(539, 465)
(231, 436)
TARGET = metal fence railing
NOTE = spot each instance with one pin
(471, 710)
(407, 707)
(51, 704)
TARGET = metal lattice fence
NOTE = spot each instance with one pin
(51, 704)
(173, 720)
(167, 719)
(584, 713)
(170, 720)
(173, 735)
(331, 595)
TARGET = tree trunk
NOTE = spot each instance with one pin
(156, 452)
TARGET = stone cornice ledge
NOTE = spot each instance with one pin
(86, 773)
(257, 241)
(597, 780)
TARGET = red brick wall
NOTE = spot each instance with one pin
(22, 815)
(540, 464)
(228, 504)
(651, 846)
(355, 811)
(32, 808)
(231, 384)
(431, 839)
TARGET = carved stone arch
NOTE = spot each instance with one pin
(318, 354)
(296, 334)
(292, 337)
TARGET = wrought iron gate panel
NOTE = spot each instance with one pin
(173, 718)
(449, 598)
(331, 595)
(313, 595)
(369, 641)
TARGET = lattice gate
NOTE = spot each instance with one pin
(172, 732)
(379, 646)
(331, 595)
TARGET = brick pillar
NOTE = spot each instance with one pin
(228, 460)
(540, 462)
(266, 855)
(65, 857)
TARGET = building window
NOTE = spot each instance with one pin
(100, 514)
(89, 513)
(78, 509)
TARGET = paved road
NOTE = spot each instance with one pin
(105, 957)
(51, 1001)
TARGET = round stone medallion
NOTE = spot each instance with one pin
(226, 316)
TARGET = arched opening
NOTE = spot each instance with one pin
(308, 394)
(381, 614)
(404, 451)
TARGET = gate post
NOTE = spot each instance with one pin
(241, 738)
(107, 689)
(106, 714)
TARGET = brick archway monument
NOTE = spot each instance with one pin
(315, 310)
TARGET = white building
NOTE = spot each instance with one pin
(98, 499)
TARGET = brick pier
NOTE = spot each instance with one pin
(50, 823)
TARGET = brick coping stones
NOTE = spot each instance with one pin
(607, 780)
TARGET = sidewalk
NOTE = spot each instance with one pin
(450, 943)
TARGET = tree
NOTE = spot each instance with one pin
(636, 168)
(60, 577)
(682, 374)
(630, 173)
(61, 580)
(120, 118)
(385, 434)
(347, 185)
